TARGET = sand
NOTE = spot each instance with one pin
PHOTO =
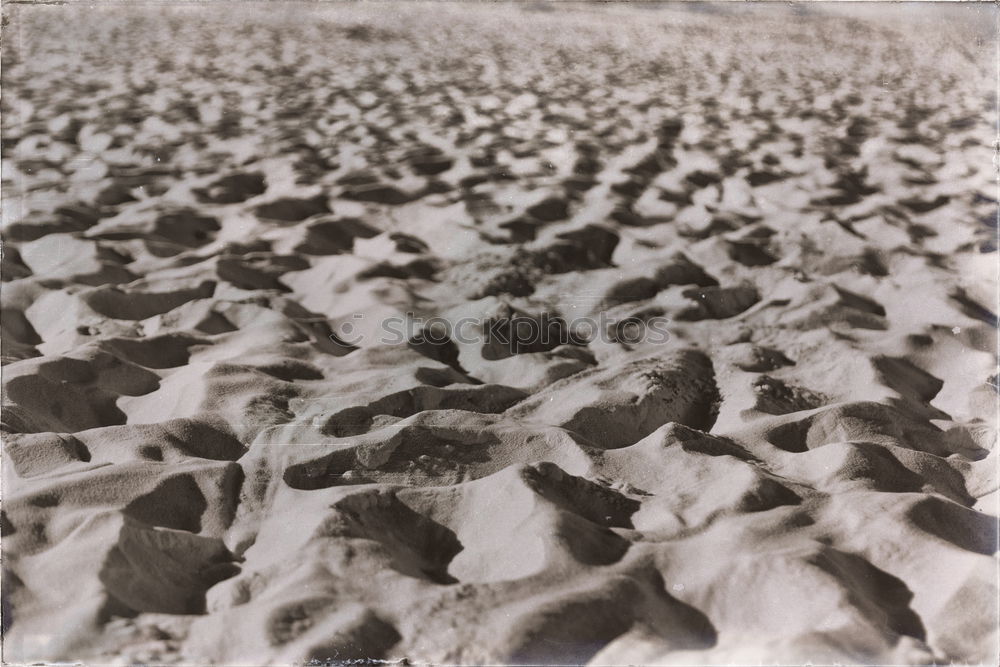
(775, 445)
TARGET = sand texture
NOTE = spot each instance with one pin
(213, 453)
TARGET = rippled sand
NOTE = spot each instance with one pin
(213, 454)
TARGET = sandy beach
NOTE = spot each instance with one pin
(472, 333)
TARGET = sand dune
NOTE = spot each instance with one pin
(718, 381)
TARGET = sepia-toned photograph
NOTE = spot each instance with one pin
(499, 333)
